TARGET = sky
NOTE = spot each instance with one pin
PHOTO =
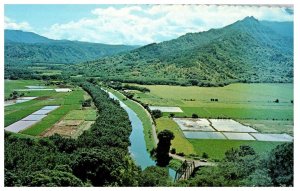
(131, 24)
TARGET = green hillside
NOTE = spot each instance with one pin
(25, 47)
(245, 51)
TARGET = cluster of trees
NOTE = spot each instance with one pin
(14, 95)
(243, 167)
(139, 88)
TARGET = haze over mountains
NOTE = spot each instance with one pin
(29, 47)
(245, 51)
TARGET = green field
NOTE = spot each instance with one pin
(10, 85)
(68, 102)
(216, 148)
(237, 101)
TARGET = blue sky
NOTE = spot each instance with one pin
(130, 24)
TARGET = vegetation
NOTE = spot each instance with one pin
(23, 47)
(243, 167)
(154, 176)
(163, 147)
(216, 149)
(156, 113)
(239, 52)
(144, 117)
(98, 157)
(237, 101)
(180, 143)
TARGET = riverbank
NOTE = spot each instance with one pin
(144, 117)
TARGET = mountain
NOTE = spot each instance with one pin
(24, 37)
(245, 51)
(27, 47)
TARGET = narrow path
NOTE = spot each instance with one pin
(197, 162)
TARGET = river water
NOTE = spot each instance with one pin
(138, 148)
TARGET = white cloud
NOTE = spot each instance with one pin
(147, 24)
(11, 24)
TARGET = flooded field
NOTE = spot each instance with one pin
(224, 129)
(166, 109)
(30, 120)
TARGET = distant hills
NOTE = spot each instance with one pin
(245, 51)
(27, 47)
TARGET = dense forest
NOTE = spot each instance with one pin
(245, 51)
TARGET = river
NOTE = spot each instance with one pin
(138, 148)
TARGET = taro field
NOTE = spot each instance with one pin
(267, 108)
(70, 109)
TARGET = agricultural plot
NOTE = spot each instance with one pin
(223, 129)
(239, 136)
(272, 137)
(235, 101)
(166, 109)
(30, 119)
(230, 125)
(190, 124)
(203, 135)
(18, 100)
(271, 126)
(19, 126)
(67, 101)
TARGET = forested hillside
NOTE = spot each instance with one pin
(25, 47)
(245, 51)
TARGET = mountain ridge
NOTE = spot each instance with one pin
(245, 51)
(28, 47)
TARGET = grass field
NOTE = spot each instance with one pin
(10, 85)
(270, 126)
(141, 113)
(238, 101)
(180, 143)
(216, 148)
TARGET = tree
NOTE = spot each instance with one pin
(171, 115)
(194, 115)
(156, 113)
(86, 103)
(260, 177)
(163, 147)
(281, 165)
(154, 176)
(53, 178)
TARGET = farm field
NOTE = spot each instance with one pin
(216, 148)
(237, 101)
(270, 126)
(69, 102)
(10, 85)
(250, 104)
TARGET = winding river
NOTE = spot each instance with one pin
(138, 148)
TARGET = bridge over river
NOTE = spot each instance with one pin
(188, 166)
